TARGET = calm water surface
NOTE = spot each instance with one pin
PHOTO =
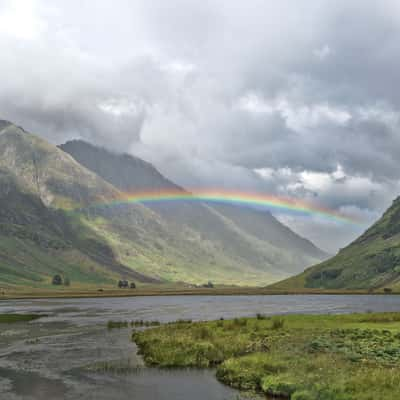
(51, 358)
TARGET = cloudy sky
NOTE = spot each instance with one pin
(294, 98)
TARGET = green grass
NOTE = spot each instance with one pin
(11, 318)
(295, 357)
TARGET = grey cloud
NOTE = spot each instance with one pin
(164, 80)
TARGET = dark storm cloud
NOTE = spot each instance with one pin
(295, 98)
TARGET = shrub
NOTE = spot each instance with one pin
(123, 284)
(57, 280)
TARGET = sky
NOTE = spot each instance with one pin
(291, 98)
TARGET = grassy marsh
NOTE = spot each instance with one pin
(299, 357)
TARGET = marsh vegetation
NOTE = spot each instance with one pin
(134, 323)
(303, 357)
(10, 318)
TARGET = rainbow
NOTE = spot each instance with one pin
(223, 196)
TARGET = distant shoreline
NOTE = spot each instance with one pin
(225, 291)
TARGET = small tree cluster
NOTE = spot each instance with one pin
(124, 284)
(58, 280)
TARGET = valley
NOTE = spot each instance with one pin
(58, 219)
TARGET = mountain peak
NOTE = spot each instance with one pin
(46, 171)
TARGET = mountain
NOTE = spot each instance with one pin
(252, 239)
(264, 226)
(37, 243)
(37, 238)
(54, 219)
(41, 168)
(370, 262)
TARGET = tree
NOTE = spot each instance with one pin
(387, 290)
(133, 285)
(57, 280)
(123, 284)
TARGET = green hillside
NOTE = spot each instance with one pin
(37, 243)
(371, 261)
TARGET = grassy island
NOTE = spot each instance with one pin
(10, 318)
(298, 357)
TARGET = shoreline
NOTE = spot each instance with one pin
(225, 291)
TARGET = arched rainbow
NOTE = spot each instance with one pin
(230, 197)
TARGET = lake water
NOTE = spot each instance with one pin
(51, 358)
